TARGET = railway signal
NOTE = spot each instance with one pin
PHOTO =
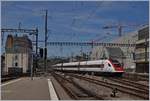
(45, 53)
(41, 52)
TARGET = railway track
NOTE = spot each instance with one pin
(7, 79)
(130, 83)
(122, 88)
(136, 77)
(75, 91)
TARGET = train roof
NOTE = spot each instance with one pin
(71, 63)
(93, 62)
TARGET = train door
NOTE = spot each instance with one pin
(62, 67)
(78, 67)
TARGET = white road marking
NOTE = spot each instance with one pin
(10, 82)
(53, 95)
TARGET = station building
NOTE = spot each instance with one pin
(18, 54)
(125, 55)
(142, 50)
(129, 52)
(108, 53)
(135, 59)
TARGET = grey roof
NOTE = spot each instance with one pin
(115, 52)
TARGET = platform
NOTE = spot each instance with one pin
(26, 89)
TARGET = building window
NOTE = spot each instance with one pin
(143, 33)
(16, 64)
(16, 57)
(109, 65)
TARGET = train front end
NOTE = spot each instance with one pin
(117, 67)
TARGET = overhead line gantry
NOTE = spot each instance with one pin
(88, 44)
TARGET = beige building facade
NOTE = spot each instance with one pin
(18, 56)
(142, 50)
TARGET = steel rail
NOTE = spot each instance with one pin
(131, 83)
(71, 93)
(120, 88)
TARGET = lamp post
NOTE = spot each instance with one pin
(31, 71)
(36, 64)
(36, 49)
(45, 49)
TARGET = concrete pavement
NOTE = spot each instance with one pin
(26, 89)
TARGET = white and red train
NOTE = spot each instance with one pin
(104, 67)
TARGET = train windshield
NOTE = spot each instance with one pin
(116, 62)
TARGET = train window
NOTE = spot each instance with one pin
(118, 64)
(102, 66)
(114, 61)
(109, 65)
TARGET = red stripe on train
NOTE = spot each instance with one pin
(117, 68)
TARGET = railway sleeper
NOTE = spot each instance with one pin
(69, 92)
(83, 95)
(116, 85)
(133, 85)
(141, 95)
(88, 91)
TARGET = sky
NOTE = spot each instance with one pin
(76, 21)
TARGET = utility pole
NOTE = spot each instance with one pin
(36, 64)
(2, 37)
(31, 71)
(72, 54)
(45, 49)
(19, 27)
(81, 57)
(120, 30)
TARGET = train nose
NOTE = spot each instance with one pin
(118, 68)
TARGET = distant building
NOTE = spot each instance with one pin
(142, 50)
(18, 56)
(123, 54)
(129, 38)
(108, 53)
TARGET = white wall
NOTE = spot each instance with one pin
(23, 61)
